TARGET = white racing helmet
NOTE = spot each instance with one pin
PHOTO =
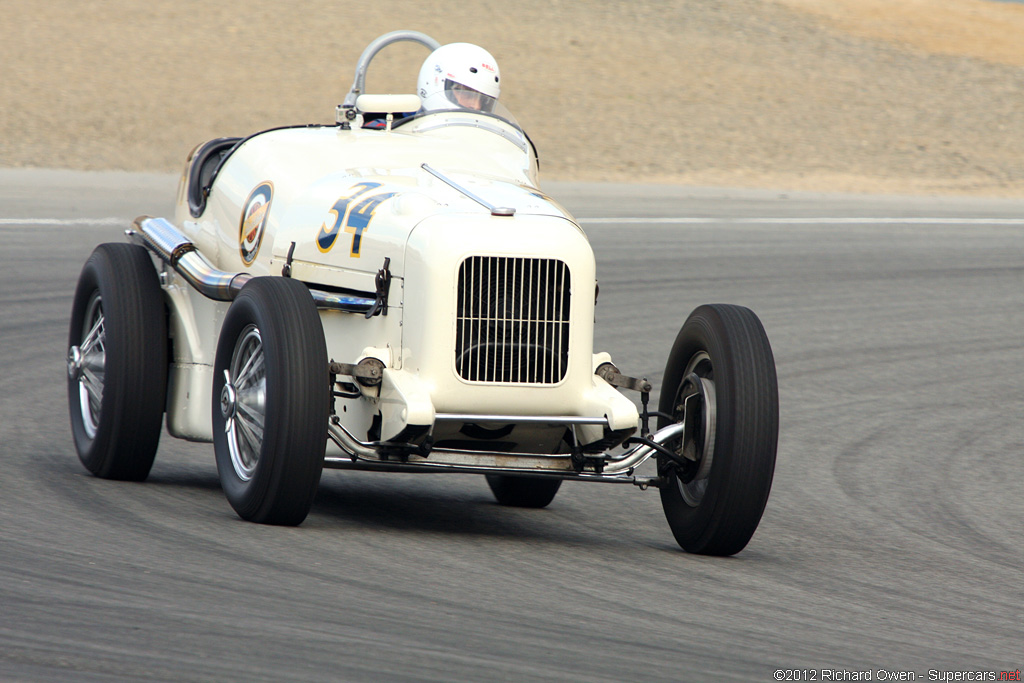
(459, 75)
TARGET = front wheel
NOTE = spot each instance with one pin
(117, 363)
(271, 397)
(720, 381)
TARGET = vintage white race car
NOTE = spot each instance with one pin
(401, 297)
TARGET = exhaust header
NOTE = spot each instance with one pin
(161, 237)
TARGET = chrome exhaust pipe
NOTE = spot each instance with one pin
(166, 241)
(161, 237)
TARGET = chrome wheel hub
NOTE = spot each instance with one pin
(87, 363)
(75, 363)
(696, 405)
(243, 402)
(228, 398)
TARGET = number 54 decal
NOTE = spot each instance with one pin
(353, 213)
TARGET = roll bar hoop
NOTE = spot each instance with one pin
(359, 85)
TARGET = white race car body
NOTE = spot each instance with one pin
(395, 292)
(335, 202)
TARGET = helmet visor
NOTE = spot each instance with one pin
(468, 98)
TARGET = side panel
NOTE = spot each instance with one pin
(194, 326)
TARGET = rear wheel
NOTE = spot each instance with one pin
(117, 363)
(523, 492)
(271, 397)
(721, 378)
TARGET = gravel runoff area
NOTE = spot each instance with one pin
(917, 96)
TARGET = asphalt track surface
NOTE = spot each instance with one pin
(892, 540)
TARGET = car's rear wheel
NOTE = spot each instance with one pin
(720, 376)
(271, 398)
(523, 491)
(117, 363)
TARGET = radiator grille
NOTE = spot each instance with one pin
(512, 320)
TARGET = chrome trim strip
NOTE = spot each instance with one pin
(495, 210)
(341, 302)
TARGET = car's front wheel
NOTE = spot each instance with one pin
(720, 378)
(117, 363)
(271, 397)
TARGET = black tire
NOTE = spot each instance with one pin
(715, 504)
(117, 363)
(271, 477)
(523, 492)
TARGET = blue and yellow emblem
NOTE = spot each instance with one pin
(254, 221)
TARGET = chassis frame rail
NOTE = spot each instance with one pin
(617, 469)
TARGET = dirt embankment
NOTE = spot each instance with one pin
(922, 96)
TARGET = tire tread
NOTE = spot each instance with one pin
(135, 382)
(298, 401)
(745, 451)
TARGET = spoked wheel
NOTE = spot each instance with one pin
(523, 492)
(117, 363)
(243, 402)
(87, 365)
(720, 382)
(271, 401)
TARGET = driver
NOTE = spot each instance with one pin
(459, 75)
